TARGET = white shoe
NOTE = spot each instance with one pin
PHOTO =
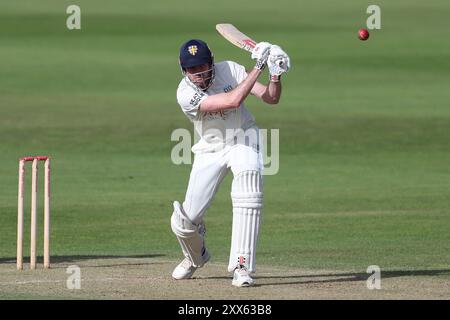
(185, 269)
(241, 277)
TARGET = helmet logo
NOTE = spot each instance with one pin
(193, 50)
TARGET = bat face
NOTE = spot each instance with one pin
(236, 37)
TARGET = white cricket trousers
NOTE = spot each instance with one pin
(208, 171)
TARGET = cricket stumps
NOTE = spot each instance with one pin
(20, 207)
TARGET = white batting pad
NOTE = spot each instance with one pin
(247, 196)
(189, 235)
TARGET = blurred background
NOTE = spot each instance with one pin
(364, 128)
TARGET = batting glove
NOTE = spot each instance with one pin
(278, 62)
(261, 53)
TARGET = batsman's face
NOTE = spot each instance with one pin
(200, 75)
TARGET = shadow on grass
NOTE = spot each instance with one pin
(76, 259)
(349, 277)
(339, 277)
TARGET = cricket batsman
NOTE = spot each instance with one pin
(212, 96)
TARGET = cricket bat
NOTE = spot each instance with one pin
(236, 37)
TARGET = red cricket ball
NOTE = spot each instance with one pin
(363, 34)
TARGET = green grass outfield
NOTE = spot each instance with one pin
(364, 128)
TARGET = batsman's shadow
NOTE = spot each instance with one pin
(335, 277)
